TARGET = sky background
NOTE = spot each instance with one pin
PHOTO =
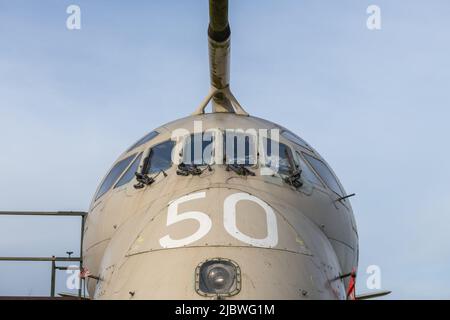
(375, 104)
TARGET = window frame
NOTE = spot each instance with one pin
(285, 134)
(290, 149)
(300, 158)
(146, 163)
(304, 154)
(143, 140)
(189, 137)
(139, 155)
(256, 146)
(98, 196)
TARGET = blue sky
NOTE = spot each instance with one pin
(375, 104)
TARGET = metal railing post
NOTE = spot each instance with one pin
(52, 285)
(81, 254)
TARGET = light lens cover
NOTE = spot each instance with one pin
(218, 277)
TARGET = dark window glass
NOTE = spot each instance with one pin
(113, 175)
(307, 173)
(284, 153)
(130, 173)
(239, 149)
(143, 140)
(325, 173)
(160, 157)
(295, 139)
(203, 155)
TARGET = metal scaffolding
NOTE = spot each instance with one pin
(52, 259)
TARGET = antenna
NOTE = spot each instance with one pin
(219, 39)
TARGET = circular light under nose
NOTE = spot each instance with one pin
(218, 277)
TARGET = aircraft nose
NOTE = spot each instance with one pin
(215, 242)
(211, 272)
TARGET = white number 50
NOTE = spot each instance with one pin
(229, 221)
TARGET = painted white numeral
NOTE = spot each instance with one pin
(229, 220)
(174, 217)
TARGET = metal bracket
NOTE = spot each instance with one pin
(228, 95)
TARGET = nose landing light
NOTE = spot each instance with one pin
(218, 278)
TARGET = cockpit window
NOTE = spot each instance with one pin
(198, 149)
(160, 157)
(113, 175)
(240, 149)
(130, 173)
(278, 162)
(295, 139)
(307, 173)
(325, 173)
(143, 140)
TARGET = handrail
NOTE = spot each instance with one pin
(52, 259)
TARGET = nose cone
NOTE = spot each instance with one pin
(219, 242)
